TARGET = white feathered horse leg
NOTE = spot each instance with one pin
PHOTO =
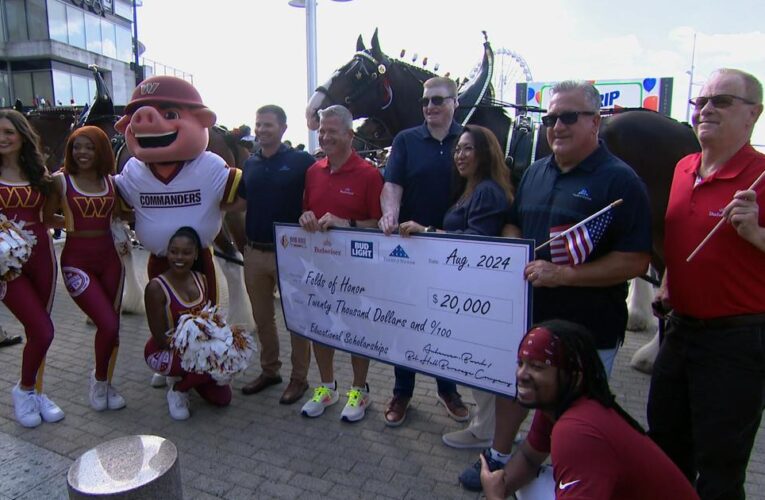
(641, 318)
(239, 309)
(644, 357)
(639, 300)
(132, 291)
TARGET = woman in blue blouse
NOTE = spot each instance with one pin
(482, 195)
(481, 185)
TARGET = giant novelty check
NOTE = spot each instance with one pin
(452, 307)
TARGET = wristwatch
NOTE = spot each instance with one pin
(430, 229)
(352, 222)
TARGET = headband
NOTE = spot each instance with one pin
(540, 344)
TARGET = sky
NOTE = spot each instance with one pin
(247, 53)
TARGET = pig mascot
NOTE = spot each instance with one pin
(171, 181)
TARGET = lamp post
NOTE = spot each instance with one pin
(311, 59)
(136, 47)
(690, 81)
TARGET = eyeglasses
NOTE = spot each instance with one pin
(466, 149)
(719, 101)
(568, 118)
(437, 100)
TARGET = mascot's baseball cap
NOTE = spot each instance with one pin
(158, 89)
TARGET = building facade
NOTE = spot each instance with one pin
(46, 47)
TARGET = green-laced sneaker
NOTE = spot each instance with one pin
(323, 397)
(358, 402)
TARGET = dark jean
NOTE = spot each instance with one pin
(706, 401)
(404, 385)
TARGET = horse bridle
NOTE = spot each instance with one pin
(370, 78)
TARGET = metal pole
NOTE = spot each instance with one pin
(310, 35)
(137, 69)
(690, 81)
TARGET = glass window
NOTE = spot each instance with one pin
(75, 25)
(5, 90)
(62, 87)
(17, 23)
(109, 39)
(57, 21)
(80, 90)
(38, 29)
(43, 85)
(123, 9)
(92, 90)
(3, 34)
(124, 44)
(22, 87)
(121, 94)
(93, 33)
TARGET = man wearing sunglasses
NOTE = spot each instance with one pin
(706, 397)
(418, 187)
(588, 288)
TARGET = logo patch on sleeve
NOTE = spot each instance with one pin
(75, 280)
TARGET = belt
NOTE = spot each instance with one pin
(716, 323)
(263, 247)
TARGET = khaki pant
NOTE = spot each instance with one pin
(260, 279)
(482, 423)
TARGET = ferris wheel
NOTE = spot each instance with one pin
(510, 68)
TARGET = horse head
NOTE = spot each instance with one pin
(365, 85)
(53, 126)
(372, 136)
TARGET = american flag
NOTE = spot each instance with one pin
(574, 247)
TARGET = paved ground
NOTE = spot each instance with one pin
(256, 448)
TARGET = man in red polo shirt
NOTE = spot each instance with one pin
(706, 397)
(341, 190)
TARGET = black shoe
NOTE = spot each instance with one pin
(470, 479)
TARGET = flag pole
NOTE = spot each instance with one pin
(721, 221)
(585, 221)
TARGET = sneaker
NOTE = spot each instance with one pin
(114, 400)
(178, 404)
(323, 397)
(465, 439)
(470, 479)
(49, 411)
(158, 380)
(358, 402)
(454, 406)
(98, 391)
(26, 407)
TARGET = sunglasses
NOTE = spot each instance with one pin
(437, 100)
(719, 101)
(568, 118)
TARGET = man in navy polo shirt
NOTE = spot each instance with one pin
(584, 283)
(272, 184)
(418, 187)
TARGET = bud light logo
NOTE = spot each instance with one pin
(362, 249)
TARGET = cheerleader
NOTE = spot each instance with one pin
(93, 273)
(24, 185)
(179, 290)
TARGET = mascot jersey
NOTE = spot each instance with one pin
(193, 193)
